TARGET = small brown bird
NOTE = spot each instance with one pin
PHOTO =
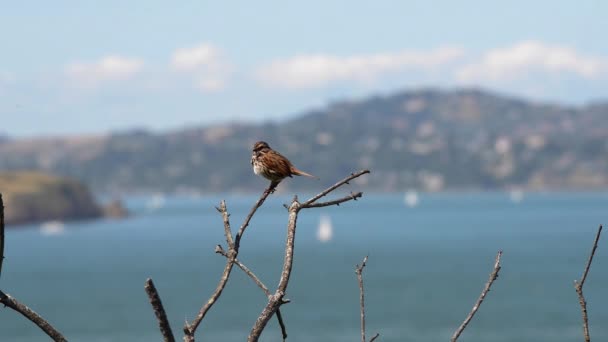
(271, 165)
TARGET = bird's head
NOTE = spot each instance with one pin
(260, 145)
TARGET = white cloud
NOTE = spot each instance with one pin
(530, 56)
(205, 63)
(108, 68)
(306, 71)
(193, 58)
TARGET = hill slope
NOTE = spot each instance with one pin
(425, 139)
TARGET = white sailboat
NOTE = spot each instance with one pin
(411, 198)
(325, 230)
(155, 202)
(516, 195)
(52, 228)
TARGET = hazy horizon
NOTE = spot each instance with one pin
(292, 115)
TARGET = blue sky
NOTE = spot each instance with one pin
(73, 67)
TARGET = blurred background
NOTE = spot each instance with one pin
(485, 127)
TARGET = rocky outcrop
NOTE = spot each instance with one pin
(36, 197)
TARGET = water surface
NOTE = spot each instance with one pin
(427, 266)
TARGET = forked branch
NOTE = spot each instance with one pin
(190, 328)
(338, 201)
(485, 291)
(276, 300)
(578, 286)
(233, 250)
(334, 187)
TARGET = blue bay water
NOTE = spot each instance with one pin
(427, 266)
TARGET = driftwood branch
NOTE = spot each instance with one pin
(159, 311)
(14, 304)
(578, 286)
(485, 291)
(359, 272)
(276, 300)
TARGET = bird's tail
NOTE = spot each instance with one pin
(298, 172)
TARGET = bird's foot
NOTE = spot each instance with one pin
(272, 188)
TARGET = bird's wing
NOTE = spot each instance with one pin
(277, 164)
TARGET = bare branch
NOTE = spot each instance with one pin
(1, 233)
(233, 250)
(335, 186)
(359, 271)
(276, 300)
(485, 291)
(350, 197)
(578, 286)
(259, 283)
(245, 269)
(30, 314)
(190, 329)
(257, 204)
(597, 239)
(159, 311)
(375, 337)
(282, 325)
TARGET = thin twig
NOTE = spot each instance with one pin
(485, 291)
(338, 201)
(359, 272)
(335, 186)
(375, 337)
(220, 250)
(159, 311)
(30, 314)
(1, 233)
(282, 325)
(578, 286)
